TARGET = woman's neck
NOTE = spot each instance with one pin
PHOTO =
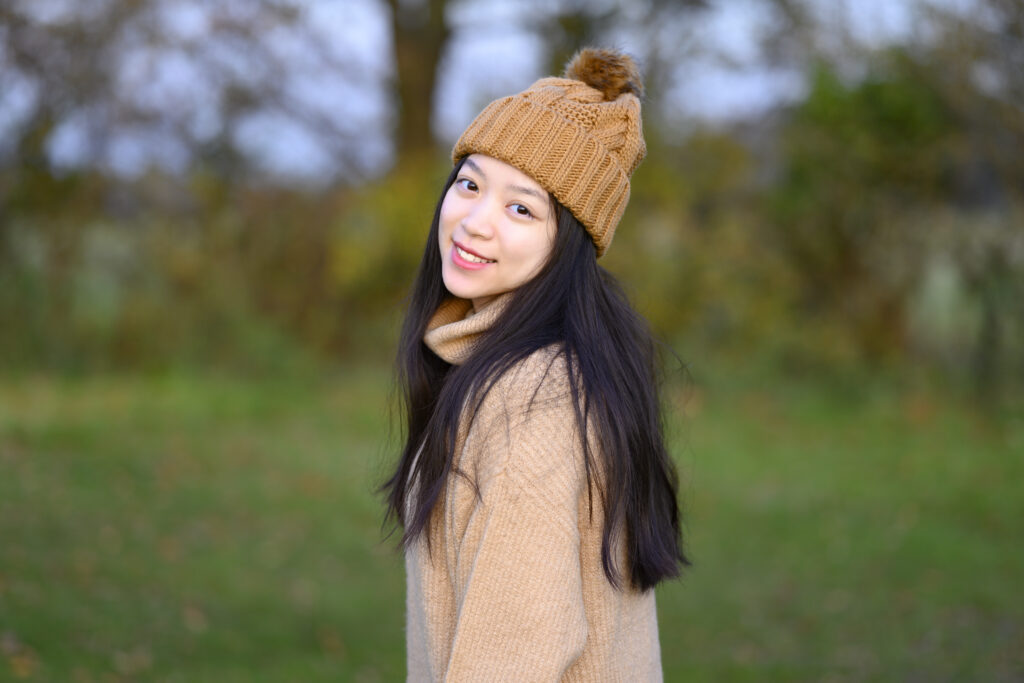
(480, 302)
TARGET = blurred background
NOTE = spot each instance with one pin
(210, 213)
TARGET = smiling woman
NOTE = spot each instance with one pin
(497, 228)
(536, 494)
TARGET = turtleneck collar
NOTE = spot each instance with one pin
(455, 328)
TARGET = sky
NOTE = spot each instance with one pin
(494, 55)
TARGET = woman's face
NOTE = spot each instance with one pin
(496, 230)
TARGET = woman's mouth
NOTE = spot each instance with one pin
(468, 259)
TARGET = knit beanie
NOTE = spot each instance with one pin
(579, 136)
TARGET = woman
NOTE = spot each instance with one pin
(536, 494)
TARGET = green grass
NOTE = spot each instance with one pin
(212, 529)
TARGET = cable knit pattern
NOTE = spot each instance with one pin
(513, 589)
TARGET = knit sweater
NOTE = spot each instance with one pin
(512, 588)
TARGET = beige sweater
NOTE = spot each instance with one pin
(513, 589)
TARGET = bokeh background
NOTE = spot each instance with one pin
(209, 216)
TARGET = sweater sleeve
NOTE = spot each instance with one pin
(518, 585)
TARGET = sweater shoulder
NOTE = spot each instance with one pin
(539, 381)
(541, 378)
(526, 424)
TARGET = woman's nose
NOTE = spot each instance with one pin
(479, 221)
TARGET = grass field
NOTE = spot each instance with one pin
(195, 528)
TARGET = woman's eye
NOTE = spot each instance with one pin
(467, 184)
(522, 211)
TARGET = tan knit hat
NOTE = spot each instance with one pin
(579, 136)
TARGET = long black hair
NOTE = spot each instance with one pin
(611, 361)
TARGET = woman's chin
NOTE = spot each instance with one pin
(458, 287)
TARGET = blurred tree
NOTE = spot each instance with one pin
(977, 65)
(661, 29)
(420, 33)
(106, 106)
(124, 84)
(856, 159)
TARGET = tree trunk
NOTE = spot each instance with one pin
(987, 362)
(420, 34)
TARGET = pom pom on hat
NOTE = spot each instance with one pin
(613, 73)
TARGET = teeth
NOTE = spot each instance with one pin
(470, 257)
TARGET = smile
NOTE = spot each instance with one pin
(472, 258)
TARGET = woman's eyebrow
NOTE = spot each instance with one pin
(529, 191)
(515, 188)
(472, 164)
